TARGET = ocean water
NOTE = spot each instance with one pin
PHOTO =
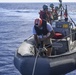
(16, 21)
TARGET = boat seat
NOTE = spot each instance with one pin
(58, 35)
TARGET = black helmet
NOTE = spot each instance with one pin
(51, 5)
(45, 7)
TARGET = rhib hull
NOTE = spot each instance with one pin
(25, 57)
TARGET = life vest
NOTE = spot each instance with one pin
(42, 31)
(45, 15)
(42, 14)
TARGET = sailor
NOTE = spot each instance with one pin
(54, 14)
(45, 14)
(52, 7)
(42, 32)
(52, 10)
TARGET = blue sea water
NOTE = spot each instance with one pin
(16, 21)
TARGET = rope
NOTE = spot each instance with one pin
(35, 63)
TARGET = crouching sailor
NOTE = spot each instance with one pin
(42, 32)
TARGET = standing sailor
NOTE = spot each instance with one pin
(45, 14)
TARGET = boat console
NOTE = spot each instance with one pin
(65, 37)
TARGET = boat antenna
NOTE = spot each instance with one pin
(60, 6)
(60, 1)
